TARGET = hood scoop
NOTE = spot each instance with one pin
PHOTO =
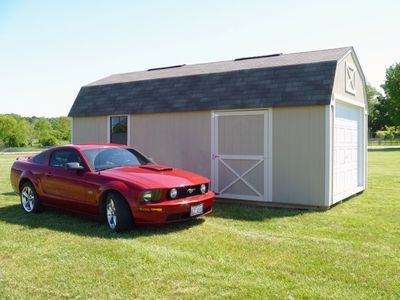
(157, 168)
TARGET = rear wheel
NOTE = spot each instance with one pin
(29, 199)
(118, 213)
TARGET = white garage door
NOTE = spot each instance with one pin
(347, 151)
(240, 157)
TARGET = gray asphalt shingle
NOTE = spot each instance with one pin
(288, 80)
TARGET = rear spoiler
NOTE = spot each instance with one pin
(25, 157)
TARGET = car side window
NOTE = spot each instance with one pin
(40, 158)
(60, 158)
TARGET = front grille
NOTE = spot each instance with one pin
(184, 216)
(184, 192)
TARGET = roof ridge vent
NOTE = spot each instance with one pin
(169, 67)
(260, 56)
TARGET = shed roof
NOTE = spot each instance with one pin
(304, 78)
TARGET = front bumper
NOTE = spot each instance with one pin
(173, 210)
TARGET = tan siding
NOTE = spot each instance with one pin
(181, 140)
(299, 155)
(339, 87)
(89, 130)
(184, 140)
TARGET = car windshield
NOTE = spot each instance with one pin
(112, 157)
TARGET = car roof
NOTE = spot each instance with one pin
(92, 146)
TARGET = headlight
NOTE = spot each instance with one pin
(203, 188)
(173, 193)
(151, 196)
(146, 196)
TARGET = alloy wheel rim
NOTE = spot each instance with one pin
(111, 214)
(28, 199)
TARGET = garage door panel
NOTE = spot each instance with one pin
(348, 156)
(340, 156)
(349, 139)
(347, 146)
(339, 181)
(340, 131)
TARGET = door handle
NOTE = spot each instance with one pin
(48, 174)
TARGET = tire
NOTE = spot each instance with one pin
(118, 213)
(29, 199)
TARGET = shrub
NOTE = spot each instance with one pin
(380, 134)
(48, 141)
(389, 133)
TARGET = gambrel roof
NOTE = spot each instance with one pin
(294, 79)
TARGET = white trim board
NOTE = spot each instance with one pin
(361, 73)
(213, 136)
(329, 113)
(347, 194)
(269, 164)
(352, 79)
(342, 98)
(356, 61)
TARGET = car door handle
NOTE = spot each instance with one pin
(48, 174)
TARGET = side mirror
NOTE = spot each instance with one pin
(74, 166)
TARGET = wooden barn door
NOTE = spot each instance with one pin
(241, 155)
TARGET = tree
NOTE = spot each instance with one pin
(392, 91)
(373, 97)
(42, 128)
(6, 125)
(17, 131)
(381, 114)
(14, 130)
(50, 140)
(61, 128)
(20, 133)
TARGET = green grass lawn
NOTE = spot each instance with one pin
(351, 251)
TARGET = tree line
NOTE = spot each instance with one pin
(384, 109)
(17, 131)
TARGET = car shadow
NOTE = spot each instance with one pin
(66, 222)
(248, 212)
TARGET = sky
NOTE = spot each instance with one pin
(49, 49)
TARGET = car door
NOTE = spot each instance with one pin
(67, 188)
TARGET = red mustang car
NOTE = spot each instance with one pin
(111, 182)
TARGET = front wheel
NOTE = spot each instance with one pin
(29, 199)
(118, 213)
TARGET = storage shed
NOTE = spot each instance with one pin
(280, 129)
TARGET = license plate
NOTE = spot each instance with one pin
(196, 210)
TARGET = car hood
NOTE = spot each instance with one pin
(155, 176)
